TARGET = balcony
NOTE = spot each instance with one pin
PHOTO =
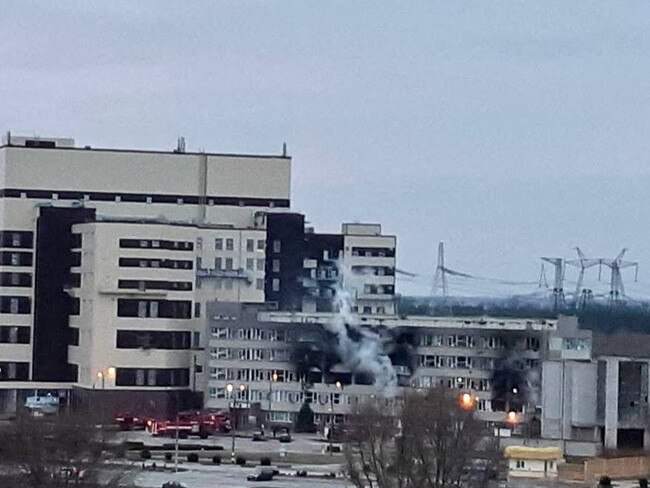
(238, 274)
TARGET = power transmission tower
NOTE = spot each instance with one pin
(616, 288)
(582, 263)
(558, 281)
(542, 282)
(440, 276)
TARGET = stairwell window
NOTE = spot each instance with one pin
(276, 284)
(250, 245)
(230, 245)
(218, 244)
(277, 246)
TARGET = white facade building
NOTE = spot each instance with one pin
(89, 235)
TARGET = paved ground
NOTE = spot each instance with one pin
(232, 477)
(301, 443)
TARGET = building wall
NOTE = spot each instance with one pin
(229, 190)
(247, 345)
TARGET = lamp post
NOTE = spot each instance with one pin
(274, 377)
(100, 376)
(230, 388)
(339, 386)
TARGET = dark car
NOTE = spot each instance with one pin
(284, 436)
(264, 474)
(258, 435)
(173, 484)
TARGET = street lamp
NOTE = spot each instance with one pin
(230, 388)
(111, 371)
(339, 386)
(274, 377)
(101, 377)
(467, 401)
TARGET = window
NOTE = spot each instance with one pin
(230, 245)
(277, 246)
(261, 245)
(260, 264)
(229, 263)
(13, 305)
(250, 245)
(218, 264)
(250, 264)
(199, 243)
(259, 284)
(276, 265)
(197, 310)
(153, 309)
(276, 284)
(199, 263)
(196, 340)
(576, 344)
(218, 244)
(169, 309)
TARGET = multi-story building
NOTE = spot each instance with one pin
(595, 387)
(277, 360)
(109, 255)
(305, 269)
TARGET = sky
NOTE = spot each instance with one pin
(508, 130)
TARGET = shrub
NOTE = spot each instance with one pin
(216, 459)
(643, 482)
(145, 454)
(265, 461)
(168, 456)
(240, 460)
(305, 420)
(301, 474)
(192, 457)
(605, 481)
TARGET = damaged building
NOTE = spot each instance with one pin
(277, 360)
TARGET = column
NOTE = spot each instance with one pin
(646, 431)
(611, 403)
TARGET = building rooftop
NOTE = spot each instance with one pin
(67, 143)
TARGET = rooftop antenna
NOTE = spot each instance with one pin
(616, 288)
(284, 149)
(582, 263)
(558, 281)
(180, 145)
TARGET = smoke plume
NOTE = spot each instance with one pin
(360, 348)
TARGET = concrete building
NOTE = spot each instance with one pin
(595, 388)
(282, 359)
(106, 248)
(110, 256)
(305, 267)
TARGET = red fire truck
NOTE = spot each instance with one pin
(193, 423)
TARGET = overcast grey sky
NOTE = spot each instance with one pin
(507, 129)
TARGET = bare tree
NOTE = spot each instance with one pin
(429, 443)
(52, 451)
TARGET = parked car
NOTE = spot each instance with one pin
(173, 484)
(284, 436)
(264, 473)
(258, 435)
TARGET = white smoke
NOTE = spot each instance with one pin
(365, 351)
